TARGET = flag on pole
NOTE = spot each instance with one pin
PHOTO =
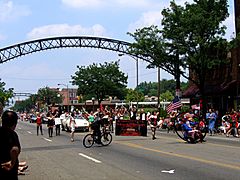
(176, 103)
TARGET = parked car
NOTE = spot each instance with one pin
(81, 124)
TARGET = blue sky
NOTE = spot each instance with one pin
(32, 19)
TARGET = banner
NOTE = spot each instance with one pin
(131, 128)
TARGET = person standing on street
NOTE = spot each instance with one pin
(39, 123)
(72, 126)
(211, 117)
(57, 123)
(153, 124)
(50, 124)
(10, 146)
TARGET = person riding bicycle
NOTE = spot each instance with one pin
(96, 125)
(189, 131)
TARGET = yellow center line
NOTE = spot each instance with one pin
(220, 164)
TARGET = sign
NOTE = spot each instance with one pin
(57, 121)
(131, 128)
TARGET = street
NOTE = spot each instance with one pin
(127, 158)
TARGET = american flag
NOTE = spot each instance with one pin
(176, 103)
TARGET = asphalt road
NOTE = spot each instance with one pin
(127, 158)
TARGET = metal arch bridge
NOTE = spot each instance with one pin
(21, 49)
(22, 94)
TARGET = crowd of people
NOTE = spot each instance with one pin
(227, 124)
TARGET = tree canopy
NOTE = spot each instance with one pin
(101, 80)
(48, 96)
(191, 38)
(151, 88)
(5, 94)
(44, 97)
(134, 95)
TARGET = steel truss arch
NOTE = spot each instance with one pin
(21, 49)
(22, 94)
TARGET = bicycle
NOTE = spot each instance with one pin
(91, 138)
(199, 125)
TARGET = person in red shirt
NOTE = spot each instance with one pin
(233, 124)
(39, 123)
(153, 124)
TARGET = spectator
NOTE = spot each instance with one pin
(225, 125)
(10, 146)
(143, 115)
(233, 124)
(211, 117)
(90, 118)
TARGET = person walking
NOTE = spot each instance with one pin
(39, 123)
(153, 124)
(10, 146)
(72, 126)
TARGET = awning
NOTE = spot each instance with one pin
(191, 91)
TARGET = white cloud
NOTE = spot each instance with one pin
(9, 11)
(155, 18)
(66, 30)
(135, 3)
(152, 17)
(147, 19)
(83, 3)
(107, 3)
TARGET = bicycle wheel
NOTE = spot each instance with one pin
(199, 125)
(88, 140)
(106, 139)
(178, 126)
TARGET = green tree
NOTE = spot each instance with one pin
(134, 96)
(25, 105)
(166, 96)
(5, 94)
(48, 96)
(191, 38)
(150, 88)
(100, 80)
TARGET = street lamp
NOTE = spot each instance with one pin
(67, 95)
(135, 58)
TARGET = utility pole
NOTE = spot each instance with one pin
(159, 89)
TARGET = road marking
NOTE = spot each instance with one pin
(19, 128)
(220, 145)
(90, 158)
(47, 139)
(169, 172)
(220, 164)
(29, 132)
